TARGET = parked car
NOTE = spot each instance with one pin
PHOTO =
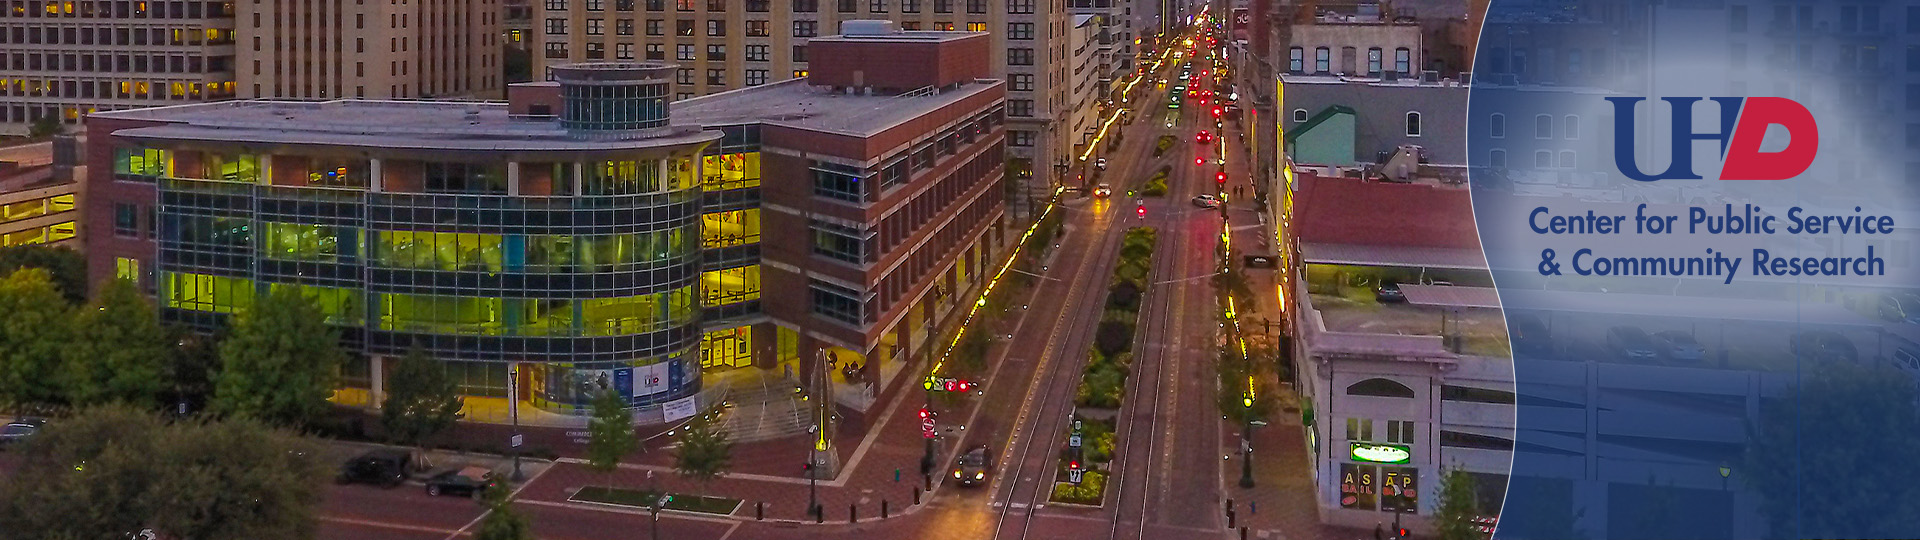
(468, 481)
(385, 468)
(1389, 293)
(973, 467)
(1631, 342)
(1823, 345)
(1529, 335)
(1679, 345)
(1206, 201)
(1901, 307)
(19, 431)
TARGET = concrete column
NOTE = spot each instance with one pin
(513, 178)
(375, 182)
(377, 390)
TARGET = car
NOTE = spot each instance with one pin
(972, 467)
(466, 481)
(1679, 345)
(1900, 307)
(1823, 345)
(1389, 293)
(1203, 137)
(1631, 342)
(385, 468)
(1206, 201)
(1102, 191)
(1529, 335)
(1100, 164)
(19, 431)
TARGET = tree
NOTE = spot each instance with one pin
(1113, 337)
(422, 401)
(68, 268)
(502, 522)
(46, 126)
(32, 335)
(1459, 505)
(609, 431)
(1812, 449)
(107, 471)
(279, 362)
(704, 454)
(518, 63)
(119, 351)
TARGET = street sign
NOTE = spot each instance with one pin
(1074, 441)
(517, 440)
(926, 428)
(1074, 475)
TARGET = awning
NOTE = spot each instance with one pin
(1392, 256)
(1452, 296)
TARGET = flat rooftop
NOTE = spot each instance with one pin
(434, 125)
(899, 36)
(795, 103)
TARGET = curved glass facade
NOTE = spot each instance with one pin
(577, 268)
(613, 97)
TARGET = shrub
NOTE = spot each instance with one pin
(1129, 272)
(1124, 295)
(1155, 188)
(1088, 492)
(1113, 337)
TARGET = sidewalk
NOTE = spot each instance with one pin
(1281, 505)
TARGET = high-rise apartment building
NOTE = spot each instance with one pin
(369, 48)
(66, 58)
(1117, 51)
(722, 45)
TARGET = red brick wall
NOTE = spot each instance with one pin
(97, 208)
(898, 65)
(521, 97)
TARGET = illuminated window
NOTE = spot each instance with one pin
(729, 348)
(730, 286)
(731, 171)
(201, 292)
(304, 242)
(341, 306)
(36, 208)
(731, 228)
(127, 269)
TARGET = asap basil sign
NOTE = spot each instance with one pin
(1743, 125)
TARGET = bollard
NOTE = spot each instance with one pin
(853, 513)
(883, 509)
(819, 514)
(916, 495)
(1229, 507)
(929, 482)
(1230, 519)
(1243, 533)
(759, 510)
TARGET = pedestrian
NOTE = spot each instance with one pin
(1379, 533)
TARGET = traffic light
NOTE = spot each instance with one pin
(1075, 464)
(924, 414)
(1199, 161)
(1216, 112)
(1402, 533)
(1141, 210)
(1220, 178)
(964, 385)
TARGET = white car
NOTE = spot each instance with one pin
(1100, 163)
(1206, 201)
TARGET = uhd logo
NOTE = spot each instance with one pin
(1743, 125)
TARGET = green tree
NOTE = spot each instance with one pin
(32, 335)
(609, 431)
(1459, 505)
(1812, 449)
(104, 472)
(46, 126)
(279, 361)
(1234, 379)
(422, 401)
(119, 351)
(705, 453)
(518, 62)
(501, 521)
(68, 268)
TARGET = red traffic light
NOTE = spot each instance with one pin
(1220, 177)
(924, 414)
(1199, 161)
(1142, 210)
(1075, 465)
(964, 385)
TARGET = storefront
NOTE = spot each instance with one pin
(1371, 480)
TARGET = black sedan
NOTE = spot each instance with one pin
(469, 481)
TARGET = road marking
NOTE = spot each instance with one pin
(510, 496)
(394, 526)
(730, 528)
(619, 509)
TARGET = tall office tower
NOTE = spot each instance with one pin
(65, 58)
(722, 45)
(369, 48)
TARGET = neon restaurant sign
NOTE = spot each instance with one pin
(1380, 453)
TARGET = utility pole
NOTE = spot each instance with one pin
(513, 408)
